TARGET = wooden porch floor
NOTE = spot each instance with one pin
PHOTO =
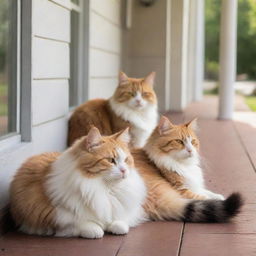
(229, 154)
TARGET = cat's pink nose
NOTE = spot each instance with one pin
(189, 150)
(122, 170)
(138, 101)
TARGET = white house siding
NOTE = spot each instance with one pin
(105, 47)
(50, 74)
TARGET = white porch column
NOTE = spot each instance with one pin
(227, 58)
(179, 53)
(195, 70)
(199, 52)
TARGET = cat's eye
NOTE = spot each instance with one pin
(131, 94)
(179, 141)
(145, 94)
(193, 141)
(112, 160)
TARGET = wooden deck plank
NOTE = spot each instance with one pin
(228, 169)
(226, 165)
(14, 243)
(218, 244)
(154, 239)
(244, 223)
(247, 134)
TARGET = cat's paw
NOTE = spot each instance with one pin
(118, 227)
(213, 195)
(217, 197)
(92, 231)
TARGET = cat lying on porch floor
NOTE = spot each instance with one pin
(94, 187)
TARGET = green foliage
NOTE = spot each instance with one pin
(251, 102)
(213, 91)
(246, 37)
(3, 32)
(212, 68)
(212, 25)
(3, 100)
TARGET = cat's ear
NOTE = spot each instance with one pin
(123, 78)
(192, 124)
(123, 136)
(93, 138)
(150, 79)
(164, 125)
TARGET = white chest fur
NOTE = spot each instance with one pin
(193, 178)
(142, 122)
(79, 199)
(190, 170)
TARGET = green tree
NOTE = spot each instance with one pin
(246, 38)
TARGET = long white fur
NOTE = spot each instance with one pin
(187, 165)
(89, 206)
(143, 120)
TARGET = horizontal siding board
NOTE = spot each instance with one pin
(51, 20)
(50, 100)
(104, 35)
(51, 136)
(110, 9)
(50, 59)
(102, 88)
(103, 64)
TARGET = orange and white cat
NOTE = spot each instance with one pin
(133, 104)
(165, 202)
(94, 187)
(174, 150)
(90, 188)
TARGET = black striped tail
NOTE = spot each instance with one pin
(213, 210)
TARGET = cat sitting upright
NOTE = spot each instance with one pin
(133, 104)
(90, 188)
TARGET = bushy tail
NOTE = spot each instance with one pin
(213, 210)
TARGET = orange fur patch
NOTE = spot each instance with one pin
(163, 201)
(29, 203)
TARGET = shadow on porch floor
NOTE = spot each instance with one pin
(228, 151)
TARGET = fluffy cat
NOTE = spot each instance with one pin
(174, 150)
(94, 187)
(90, 188)
(133, 104)
(165, 202)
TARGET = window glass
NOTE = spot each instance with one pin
(74, 59)
(8, 67)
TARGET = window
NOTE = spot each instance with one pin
(75, 21)
(9, 91)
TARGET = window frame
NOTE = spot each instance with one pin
(13, 77)
(83, 49)
(23, 77)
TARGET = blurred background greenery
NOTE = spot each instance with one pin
(246, 48)
(4, 36)
(246, 39)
